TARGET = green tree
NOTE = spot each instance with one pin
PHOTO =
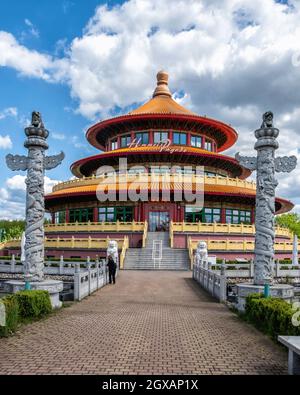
(11, 229)
(290, 221)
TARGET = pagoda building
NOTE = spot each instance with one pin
(160, 141)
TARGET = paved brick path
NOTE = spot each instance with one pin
(149, 322)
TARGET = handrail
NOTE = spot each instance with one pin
(125, 246)
(72, 242)
(145, 234)
(117, 226)
(201, 227)
(239, 245)
(124, 178)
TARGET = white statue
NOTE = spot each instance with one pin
(113, 251)
(201, 255)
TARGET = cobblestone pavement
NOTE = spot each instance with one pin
(148, 323)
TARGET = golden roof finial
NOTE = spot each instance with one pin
(162, 84)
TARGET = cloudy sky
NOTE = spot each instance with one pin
(79, 62)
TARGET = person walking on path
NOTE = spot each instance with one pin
(112, 267)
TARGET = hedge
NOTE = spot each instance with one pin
(23, 306)
(272, 316)
(11, 314)
(33, 304)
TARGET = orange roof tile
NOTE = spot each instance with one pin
(162, 102)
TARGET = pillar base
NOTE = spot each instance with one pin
(54, 287)
(282, 291)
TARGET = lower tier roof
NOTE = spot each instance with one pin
(223, 193)
(154, 154)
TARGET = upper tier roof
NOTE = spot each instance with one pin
(162, 102)
(162, 112)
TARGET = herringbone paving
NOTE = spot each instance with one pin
(148, 323)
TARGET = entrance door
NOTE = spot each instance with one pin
(158, 221)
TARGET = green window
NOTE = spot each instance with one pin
(113, 214)
(212, 215)
(234, 216)
(179, 138)
(206, 215)
(196, 141)
(125, 141)
(124, 214)
(193, 214)
(142, 138)
(60, 217)
(106, 214)
(81, 215)
(160, 137)
(208, 145)
(114, 144)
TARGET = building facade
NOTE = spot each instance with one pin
(149, 152)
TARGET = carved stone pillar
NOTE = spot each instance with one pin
(35, 163)
(265, 165)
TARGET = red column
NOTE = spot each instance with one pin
(132, 136)
(53, 218)
(151, 137)
(119, 141)
(223, 216)
(67, 215)
(188, 139)
(136, 214)
(203, 142)
(253, 215)
(170, 136)
(95, 214)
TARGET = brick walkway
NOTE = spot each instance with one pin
(148, 323)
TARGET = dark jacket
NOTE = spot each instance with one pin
(111, 264)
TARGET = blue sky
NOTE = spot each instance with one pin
(81, 61)
(54, 20)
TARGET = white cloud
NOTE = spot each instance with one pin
(58, 136)
(16, 183)
(230, 60)
(12, 196)
(28, 62)
(33, 31)
(8, 112)
(5, 142)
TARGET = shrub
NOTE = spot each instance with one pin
(272, 316)
(11, 313)
(33, 304)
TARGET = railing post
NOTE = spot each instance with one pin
(88, 266)
(223, 282)
(277, 268)
(61, 265)
(13, 263)
(77, 282)
(88, 263)
(251, 268)
(97, 270)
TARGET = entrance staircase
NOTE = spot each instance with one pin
(157, 255)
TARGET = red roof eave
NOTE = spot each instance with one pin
(229, 132)
(75, 167)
